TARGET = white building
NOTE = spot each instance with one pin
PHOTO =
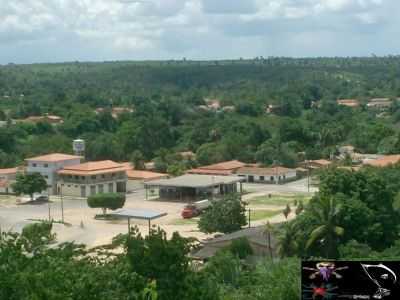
(267, 175)
(48, 165)
(90, 178)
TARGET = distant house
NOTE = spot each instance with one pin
(267, 175)
(213, 103)
(48, 165)
(383, 161)
(188, 155)
(348, 102)
(272, 109)
(346, 150)
(228, 108)
(138, 178)
(90, 178)
(116, 111)
(380, 103)
(222, 168)
(255, 235)
(315, 164)
(52, 119)
(7, 178)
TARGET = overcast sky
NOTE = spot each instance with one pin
(97, 30)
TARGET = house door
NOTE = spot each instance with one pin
(251, 178)
(83, 191)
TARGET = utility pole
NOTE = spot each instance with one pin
(48, 196)
(62, 205)
(249, 218)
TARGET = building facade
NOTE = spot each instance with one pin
(48, 165)
(84, 180)
(267, 175)
(7, 178)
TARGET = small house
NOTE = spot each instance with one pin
(267, 175)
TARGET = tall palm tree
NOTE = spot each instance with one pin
(327, 231)
(287, 245)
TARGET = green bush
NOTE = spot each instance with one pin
(106, 201)
(241, 248)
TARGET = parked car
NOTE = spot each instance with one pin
(195, 209)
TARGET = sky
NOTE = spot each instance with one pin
(33, 31)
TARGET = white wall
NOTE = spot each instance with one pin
(49, 170)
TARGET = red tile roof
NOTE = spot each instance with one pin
(144, 175)
(93, 168)
(53, 157)
(8, 171)
(223, 168)
(348, 102)
(226, 165)
(384, 161)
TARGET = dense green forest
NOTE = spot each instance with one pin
(165, 97)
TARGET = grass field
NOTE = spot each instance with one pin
(261, 214)
(278, 199)
(184, 221)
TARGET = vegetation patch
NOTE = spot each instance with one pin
(261, 214)
(278, 200)
(191, 221)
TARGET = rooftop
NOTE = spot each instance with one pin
(93, 168)
(264, 171)
(383, 161)
(8, 171)
(195, 181)
(138, 214)
(144, 175)
(54, 157)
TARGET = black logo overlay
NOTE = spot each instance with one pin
(331, 280)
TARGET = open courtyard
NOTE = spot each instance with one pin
(266, 203)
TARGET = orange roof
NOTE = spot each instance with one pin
(209, 172)
(384, 161)
(8, 171)
(144, 175)
(348, 102)
(93, 168)
(54, 157)
(322, 162)
(264, 171)
(226, 165)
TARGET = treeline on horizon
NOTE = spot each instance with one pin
(166, 119)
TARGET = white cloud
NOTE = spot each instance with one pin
(113, 29)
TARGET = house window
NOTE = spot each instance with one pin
(46, 165)
(262, 178)
(93, 176)
(83, 177)
(113, 175)
(100, 188)
(92, 189)
(103, 176)
(34, 165)
(272, 178)
(76, 177)
(111, 188)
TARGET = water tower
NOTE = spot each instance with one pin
(79, 147)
